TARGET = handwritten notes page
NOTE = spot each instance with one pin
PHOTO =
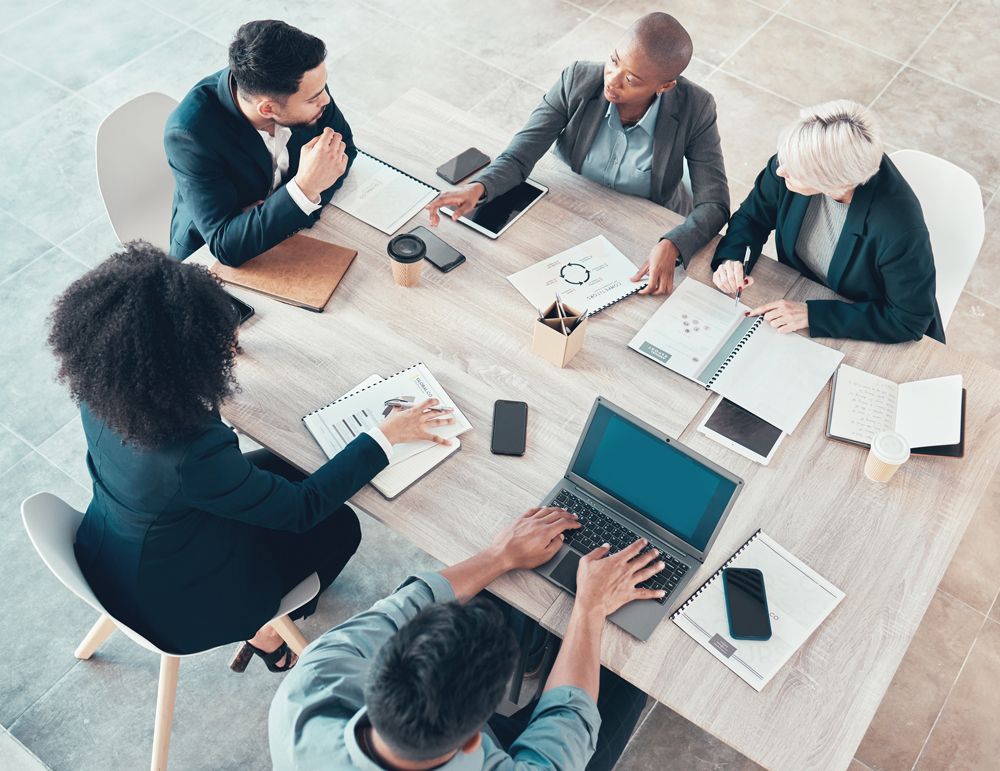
(864, 405)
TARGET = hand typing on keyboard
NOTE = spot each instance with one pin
(533, 538)
(604, 583)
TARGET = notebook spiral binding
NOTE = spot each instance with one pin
(360, 390)
(736, 349)
(394, 168)
(714, 575)
(619, 299)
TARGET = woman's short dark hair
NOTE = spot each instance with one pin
(437, 681)
(147, 343)
(269, 58)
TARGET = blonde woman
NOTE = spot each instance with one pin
(844, 216)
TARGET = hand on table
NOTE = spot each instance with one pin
(784, 315)
(461, 201)
(533, 538)
(729, 275)
(414, 423)
(604, 584)
(660, 266)
(322, 162)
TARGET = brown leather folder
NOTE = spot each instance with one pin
(300, 271)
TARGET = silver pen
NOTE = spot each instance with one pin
(739, 289)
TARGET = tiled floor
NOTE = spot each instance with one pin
(930, 69)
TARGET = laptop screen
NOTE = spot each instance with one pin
(653, 477)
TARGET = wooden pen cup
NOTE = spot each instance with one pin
(548, 339)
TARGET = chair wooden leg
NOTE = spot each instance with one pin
(290, 633)
(166, 695)
(98, 633)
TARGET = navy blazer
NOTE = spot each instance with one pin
(882, 262)
(174, 541)
(222, 166)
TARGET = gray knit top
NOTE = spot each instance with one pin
(820, 232)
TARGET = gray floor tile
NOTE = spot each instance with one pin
(21, 245)
(508, 106)
(172, 68)
(31, 402)
(94, 243)
(45, 620)
(188, 11)
(50, 174)
(66, 449)
(593, 40)
(12, 449)
(666, 735)
(118, 31)
(14, 756)
(27, 94)
(15, 11)
(960, 51)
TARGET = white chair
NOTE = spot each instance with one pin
(953, 210)
(132, 170)
(52, 524)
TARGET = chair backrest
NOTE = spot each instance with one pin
(952, 203)
(132, 170)
(52, 524)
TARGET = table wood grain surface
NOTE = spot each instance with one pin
(886, 546)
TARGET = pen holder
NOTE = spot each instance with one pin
(548, 340)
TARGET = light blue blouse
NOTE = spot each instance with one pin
(622, 158)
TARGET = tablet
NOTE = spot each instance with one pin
(741, 431)
(494, 217)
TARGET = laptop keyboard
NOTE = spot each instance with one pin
(598, 528)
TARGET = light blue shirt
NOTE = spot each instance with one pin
(316, 711)
(622, 158)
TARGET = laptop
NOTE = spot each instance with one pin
(626, 480)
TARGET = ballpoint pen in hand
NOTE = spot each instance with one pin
(406, 402)
(739, 289)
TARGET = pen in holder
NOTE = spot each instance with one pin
(550, 342)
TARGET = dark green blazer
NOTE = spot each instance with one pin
(174, 541)
(883, 261)
(221, 166)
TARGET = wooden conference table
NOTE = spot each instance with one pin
(886, 546)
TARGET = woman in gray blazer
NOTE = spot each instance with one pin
(629, 124)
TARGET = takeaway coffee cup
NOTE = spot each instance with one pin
(888, 452)
(406, 255)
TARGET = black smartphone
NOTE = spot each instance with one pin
(510, 427)
(746, 604)
(245, 311)
(462, 165)
(442, 256)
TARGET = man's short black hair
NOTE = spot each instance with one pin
(268, 57)
(440, 678)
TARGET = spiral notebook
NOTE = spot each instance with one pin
(798, 599)
(381, 195)
(338, 423)
(700, 333)
(589, 277)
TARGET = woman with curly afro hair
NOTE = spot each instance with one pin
(187, 540)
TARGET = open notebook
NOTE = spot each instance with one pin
(363, 407)
(702, 334)
(381, 195)
(798, 600)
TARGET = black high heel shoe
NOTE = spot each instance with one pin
(246, 651)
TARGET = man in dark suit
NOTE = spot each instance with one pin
(258, 148)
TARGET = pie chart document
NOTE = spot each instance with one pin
(588, 277)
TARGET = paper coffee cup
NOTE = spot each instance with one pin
(406, 256)
(888, 452)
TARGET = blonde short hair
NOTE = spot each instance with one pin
(833, 146)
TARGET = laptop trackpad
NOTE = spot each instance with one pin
(564, 573)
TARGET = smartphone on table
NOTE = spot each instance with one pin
(441, 255)
(243, 309)
(746, 604)
(462, 165)
(510, 428)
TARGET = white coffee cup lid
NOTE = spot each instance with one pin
(891, 447)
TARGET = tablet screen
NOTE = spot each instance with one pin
(495, 215)
(742, 427)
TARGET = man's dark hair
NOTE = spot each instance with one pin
(440, 678)
(148, 343)
(268, 57)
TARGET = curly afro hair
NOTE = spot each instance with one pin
(147, 343)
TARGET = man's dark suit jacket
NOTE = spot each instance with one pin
(174, 542)
(221, 166)
(883, 260)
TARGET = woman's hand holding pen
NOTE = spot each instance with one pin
(729, 276)
(414, 423)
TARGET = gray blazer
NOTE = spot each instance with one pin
(570, 115)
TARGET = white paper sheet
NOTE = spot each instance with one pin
(929, 412)
(589, 276)
(381, 195)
